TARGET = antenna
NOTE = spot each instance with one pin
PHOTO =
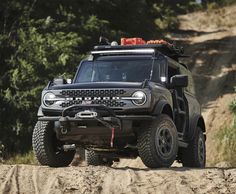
(103, 41)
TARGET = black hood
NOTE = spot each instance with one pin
(97, 85)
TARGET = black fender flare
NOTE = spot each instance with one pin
(196, 121)
(40, 112)
(163, 107)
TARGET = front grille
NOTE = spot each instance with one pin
(102, 102)
(87, 97)
(91, 93)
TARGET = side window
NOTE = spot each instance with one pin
(163, 69)
(156, 72)
(159, 74)
(160, 70)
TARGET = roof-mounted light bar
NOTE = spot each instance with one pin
(144, 51)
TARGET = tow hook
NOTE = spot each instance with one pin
(63, 131)
(68, 147)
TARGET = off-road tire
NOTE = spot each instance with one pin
(195, 155)
(45, 146)
(93, 158)
(148, 143)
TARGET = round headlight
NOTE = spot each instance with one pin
(139, 98)
(49, 99)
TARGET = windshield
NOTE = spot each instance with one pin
(128, 70)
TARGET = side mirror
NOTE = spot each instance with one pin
(59, 81)
(180, 81)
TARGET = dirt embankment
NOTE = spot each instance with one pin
(210, 40)
(35, 179)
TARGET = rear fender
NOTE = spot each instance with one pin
(196, 122)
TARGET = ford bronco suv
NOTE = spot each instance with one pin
(125, 101)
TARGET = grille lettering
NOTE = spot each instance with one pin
(95, 98)
(87, 98)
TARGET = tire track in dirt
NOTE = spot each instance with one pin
(37, 179)
(174, 180)
(11, 185)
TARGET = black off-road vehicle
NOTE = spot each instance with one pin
(128, 100)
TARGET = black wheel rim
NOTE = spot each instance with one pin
(201, 150)
(164, 143)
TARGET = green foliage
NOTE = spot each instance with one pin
(168, 19)
(226, 139)
(39, 57)
(226, 145)
(232, 105)
(33, 51)
(27, 158)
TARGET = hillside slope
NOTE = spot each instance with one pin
(210, 40)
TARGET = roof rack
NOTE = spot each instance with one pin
(165, 49)
(162, 46)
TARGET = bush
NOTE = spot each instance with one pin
(232, 106)
(227, 144)
(27, 158)
(227, 139)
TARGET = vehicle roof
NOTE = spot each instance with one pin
(170, 51)
(124, 57)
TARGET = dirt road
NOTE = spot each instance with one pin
(34, 179)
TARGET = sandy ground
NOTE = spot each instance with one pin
(35, 179)
(212, 46)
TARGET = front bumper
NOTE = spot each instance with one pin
(95, 130)
(121, 117)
